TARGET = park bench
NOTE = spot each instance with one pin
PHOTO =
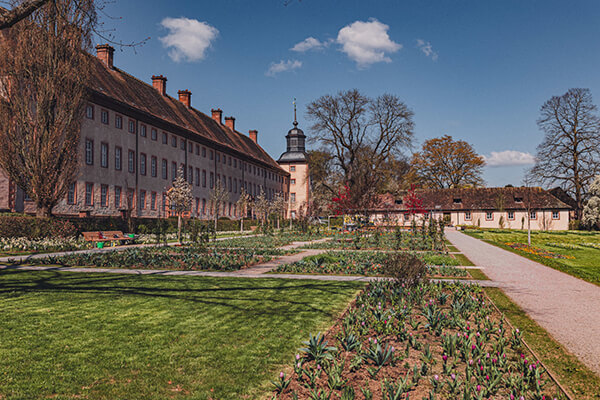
(105, 236)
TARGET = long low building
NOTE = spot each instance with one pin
(134, 140)
(505, 207)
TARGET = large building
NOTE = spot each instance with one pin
(504, 207)
(134, 140)
(294, 160)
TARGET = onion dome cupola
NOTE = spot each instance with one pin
(296, 144)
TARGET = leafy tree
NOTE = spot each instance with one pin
(243, 204)
(446, 163)
(44, 74)
(180, 198)
(591, 211)
(569, 155)
(218, 196)
(360, 134)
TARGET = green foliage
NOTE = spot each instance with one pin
(35, 228)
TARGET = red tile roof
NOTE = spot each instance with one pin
(122, 88)
(476, 199)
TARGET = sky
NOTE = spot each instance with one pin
(476, 70)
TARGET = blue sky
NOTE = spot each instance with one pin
(476, 70)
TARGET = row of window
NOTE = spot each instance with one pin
(227, 160)
(489, 215)
(127, 200)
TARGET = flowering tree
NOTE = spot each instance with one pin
(263, 207)
(219, 195)
(413, 203)
(342, 203)
(243, 204)
(180, 198)
(591, 211)
(279, 206)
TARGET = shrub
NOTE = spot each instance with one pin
(405, 268)
(35, 228)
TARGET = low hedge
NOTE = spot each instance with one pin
(35, 228)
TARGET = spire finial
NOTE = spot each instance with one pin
(295, 121)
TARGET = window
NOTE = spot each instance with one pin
(518, 199)
(533, 214)
(292, 168)
(131, 126)
(224, 159)
(143, 164)
(104, 117)
(555, 215)
(89, 111)
(118, 122)
(89, 151)
(204, 152)
(457, 201)
(117, 197)
(153, 134)
(197, 176)
(203, 178)
(467, 215)
(190, 175)
(131, 161)
(190, 147)
(230, 185)
(174, 141)
(235, 185)
(203, 206)
(212, 180)
(182, 145)
(89, 194)
(511, 215)
(173, 170)
(164, 201)
(103, 195)
(142, 199)
(218, 157)
(292, 181)
(153, 201)
(164, 172)
(235, 163)
(211, 154)
(406, 217)
(118, 154)
(197, 150)
(153, 162)
(164, 138)
(230, 161)
(489, 215)
(143, 130)
(104, 155)
(293, 197)
(72, 194)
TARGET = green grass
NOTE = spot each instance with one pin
(463, 260)
(478, 275)
(113, 336)
(572, 374)
(585, 264)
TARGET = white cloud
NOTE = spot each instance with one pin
(283, 66)
(367, 42)
(508, 158)
(188, 39)
(310, 43)
(427, 49)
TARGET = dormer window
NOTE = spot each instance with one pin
(398, 201)
(518, 199)
(457, 200)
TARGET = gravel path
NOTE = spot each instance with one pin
(567, 307)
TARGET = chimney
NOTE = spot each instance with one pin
(105, 52)
(160, 83)
(230, 122)
(253, 135)
(217, 114)
(185, 96)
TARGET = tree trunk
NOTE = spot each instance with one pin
(179, 228)
(242, 225)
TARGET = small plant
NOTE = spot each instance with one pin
(350, 342)
(405, 268)
(281, 384)
(317, 349)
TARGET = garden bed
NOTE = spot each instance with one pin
(400, 239)
(166, 257)
(433, 341)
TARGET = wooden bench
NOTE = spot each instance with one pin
(105, 236)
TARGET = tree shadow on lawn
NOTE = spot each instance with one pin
(245, 295)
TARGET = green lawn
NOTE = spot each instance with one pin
(585, 261)
(112, 336)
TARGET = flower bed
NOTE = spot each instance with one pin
(265, 241)
(360, 263)
(536, 251)
(23, 245)
(376, 240)
(169, 257)
(433, 341)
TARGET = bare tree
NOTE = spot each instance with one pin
(361, 134)
(279, 206)
(19, 12)
(263, 207)
(243, 204)
(569, 155)
(448, 163)
(44, 75)
(218, 196)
